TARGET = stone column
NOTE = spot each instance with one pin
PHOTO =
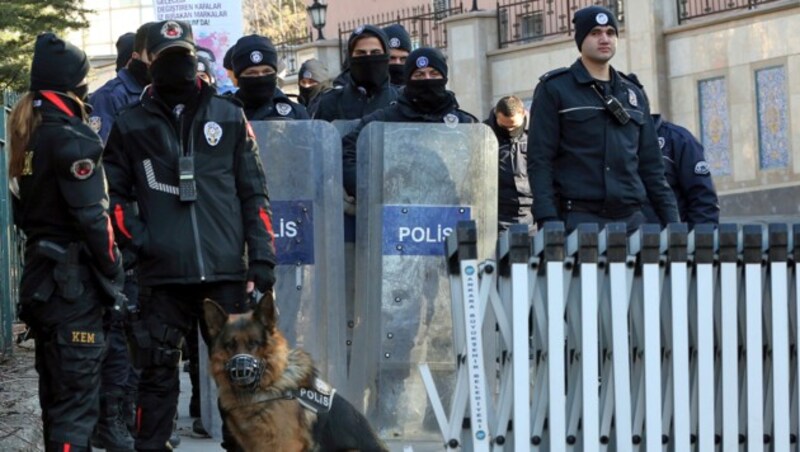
(469, 37)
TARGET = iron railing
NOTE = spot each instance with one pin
(10, 240)
(423, 23)
(287, 51)
(526, 21)
(692, 9)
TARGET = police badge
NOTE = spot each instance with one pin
(450, 120)
(632, 99)
(213, 133)
(82, 169)
(283, 109)
(394, 43)
(256, 56)
(171, 30)
(95, 123)
(661, 142)
(601, 19)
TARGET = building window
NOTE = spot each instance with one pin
(715, 127)
(773, 118)
(532, 25)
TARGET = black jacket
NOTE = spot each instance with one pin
(514, 198)
(61, 196)
(279, 107)
(400, 111)
(352, 102)
(579, 152)
(189, 242)
(687, 173)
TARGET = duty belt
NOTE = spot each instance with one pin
(598, 208)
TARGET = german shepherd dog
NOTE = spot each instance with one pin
(270, 395)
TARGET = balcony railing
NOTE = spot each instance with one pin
(423, 23)
(691, 9)
(526, 21)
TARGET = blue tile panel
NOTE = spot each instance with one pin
(773, 118)
(715, 125)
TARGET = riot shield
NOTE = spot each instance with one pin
(303, 166)
(415, 182)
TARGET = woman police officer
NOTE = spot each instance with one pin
(61, 205)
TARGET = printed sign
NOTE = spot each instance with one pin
(293, 224)
(419, 230)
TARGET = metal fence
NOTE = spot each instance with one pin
(287, 52)
(691, 9)
(10, 240)
(523, 22)
(423, 23)
(662, 340)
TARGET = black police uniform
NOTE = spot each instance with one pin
(280, 107)
(63, 201)
(514, 198)
(352, 102)
(187, 251)
(687, 173)
(584, 165)
(400, 111)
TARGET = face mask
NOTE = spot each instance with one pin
(516, 132)
(309, 93)
(396, 74)
(174, 76)
(370, 72)
(255, 91)
(138, 69)
(429, 95)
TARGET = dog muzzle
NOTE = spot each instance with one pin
(245, 370)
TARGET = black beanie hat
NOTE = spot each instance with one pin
(398, 37)
(57, 65)
(587, 18)
(226, 60)
(140, 41)
(314, 70)
(253, 50)
(425, 57)
(205, 65)
(124, 49)
(364, 31)
(168, 34)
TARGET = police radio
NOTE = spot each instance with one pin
(187, 187)
(614, 106)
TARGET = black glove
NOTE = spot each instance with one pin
(262, 274)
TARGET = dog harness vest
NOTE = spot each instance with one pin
(318, 399)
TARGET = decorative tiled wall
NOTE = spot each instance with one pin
(715, 126)
(773, 118)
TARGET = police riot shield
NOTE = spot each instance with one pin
(415, 183)
(303, 166)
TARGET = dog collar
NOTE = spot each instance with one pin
(318, 399)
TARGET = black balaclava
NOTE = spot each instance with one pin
(369, 72)
(431, 95)
(174, 76)
(255, 91)
(312, 69)
(140, 72)
(250, 51)
(398, 39)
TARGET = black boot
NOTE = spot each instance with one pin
(111, 432)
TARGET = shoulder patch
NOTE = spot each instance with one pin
(283, 109)
(555, 72)
(82, 169)
(702, 168)
(96, 123)
(632, 78)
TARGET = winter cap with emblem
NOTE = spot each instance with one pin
(313, 69)
(226, 60)
(363, 31)
(124, 49)
(587, 18)
(253, 50)
(169, 34)
(425, 57)
(57, 65)
(398, 37)
(205, 65)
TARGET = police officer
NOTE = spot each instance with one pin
(61, 205)
(228, 66)
(312, 80)
(366, 86)
(424, 99)
(255, 65)
(124, 47)
(189, 159)
(593, 152)
(399, 48)
(205, 71)
(122, 90)
(509, 121)
(687, 173)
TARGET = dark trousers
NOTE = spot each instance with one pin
(118, 372)
(70, 342)
(169, 309)
(632, 222)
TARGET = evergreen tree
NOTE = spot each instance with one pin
(20, 22)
